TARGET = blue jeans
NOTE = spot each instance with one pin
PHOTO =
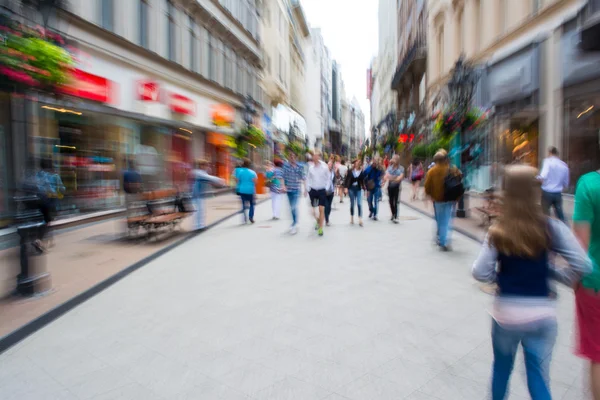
(553, 200)
(293, 199)
(373, 200)
(443, 219)
(355, 198)
(538, 340)
(248, 199)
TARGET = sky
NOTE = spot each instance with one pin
(349, 29)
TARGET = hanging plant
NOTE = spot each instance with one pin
(254, 136)
(449, 121)
(33, 57)
(295, 148)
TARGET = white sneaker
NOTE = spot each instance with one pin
(293, 230)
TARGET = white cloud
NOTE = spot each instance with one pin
(349, 28)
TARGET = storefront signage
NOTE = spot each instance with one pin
(223, 115)
(88, 86)
(181, 104)
(148, 90)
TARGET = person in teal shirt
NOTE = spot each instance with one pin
(246, 188)
(586, 224)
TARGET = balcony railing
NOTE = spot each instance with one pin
(416, 50)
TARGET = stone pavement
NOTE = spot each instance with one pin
(83, 257)
(247, 312)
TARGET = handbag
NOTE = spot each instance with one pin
(370, 184)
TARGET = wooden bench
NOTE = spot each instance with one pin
(164, 210)
(491, 209)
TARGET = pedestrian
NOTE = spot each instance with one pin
(276, 186)
(246, 186)
(373, 177)
(340, 174)
(394, 176)
(555, 178)
(435, 188)
(293, 179)
(318, 179)
(330, 192)
(132, 179)
(517, 256)
(200, 180)
(386, 162)
(586, 224)
(50, 191)
(416, 174)
(355, 183)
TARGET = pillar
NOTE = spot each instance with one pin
(551, 96)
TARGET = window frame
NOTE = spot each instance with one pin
(143, 27)
(171, 31)
(107, 15)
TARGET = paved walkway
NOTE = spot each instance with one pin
(247, 312)
(84, 256)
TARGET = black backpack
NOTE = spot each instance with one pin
(453, 187)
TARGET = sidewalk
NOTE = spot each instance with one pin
(249, 313)
(472, 226)
(85, 256)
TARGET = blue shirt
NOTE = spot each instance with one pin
(293, 176)
(374, 174)
(245, 180)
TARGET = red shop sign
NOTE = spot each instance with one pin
(148, 90)
(181, 104)
(88, 86)
(403, 138)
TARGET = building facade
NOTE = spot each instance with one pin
(387, 59)
(156, 81)
(410, 73)
(539, 85)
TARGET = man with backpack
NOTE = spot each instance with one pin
(443, 184)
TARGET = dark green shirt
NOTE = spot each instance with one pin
(587, 210)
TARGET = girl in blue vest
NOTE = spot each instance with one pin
(517, 256)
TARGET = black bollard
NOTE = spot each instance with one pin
(461, 211)
(33, 279)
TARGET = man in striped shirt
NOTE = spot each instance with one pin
(293, 177)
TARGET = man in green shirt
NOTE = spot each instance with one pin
(586, 224)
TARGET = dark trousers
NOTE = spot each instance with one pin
(394, 195)
(328, 204)
(248, 199)
(550, 200)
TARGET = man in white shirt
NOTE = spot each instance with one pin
(555, 178)
(317, 180)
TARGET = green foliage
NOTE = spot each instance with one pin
(254, 136)
(33, 57)
(296, 148)
(427, 150)
(400, 147)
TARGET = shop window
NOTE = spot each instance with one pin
(581, 149)
(107, 14)
(144, 17)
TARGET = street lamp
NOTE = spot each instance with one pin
(461, 88)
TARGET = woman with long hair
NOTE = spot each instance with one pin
(517, 256)
(416, 173)
(355, 183)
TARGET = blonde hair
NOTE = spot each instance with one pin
(521, 229)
